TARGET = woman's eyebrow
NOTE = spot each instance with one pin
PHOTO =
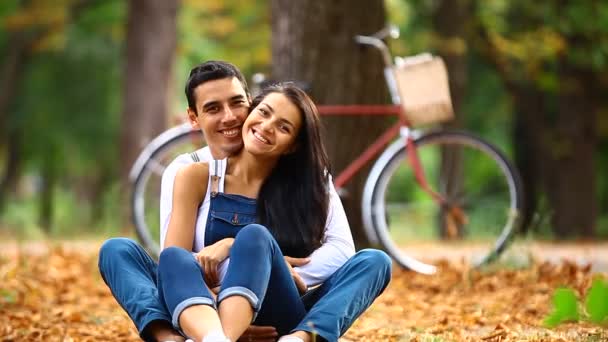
(285, 121)
(269, 107)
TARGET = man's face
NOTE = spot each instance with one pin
(222, 106)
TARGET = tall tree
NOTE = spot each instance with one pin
(313, 42)
(150, 52)
(555, 87)
(44, 62)
(450, 19)
(12, 70)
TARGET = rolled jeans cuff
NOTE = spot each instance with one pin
(188, 303)
(243, 292)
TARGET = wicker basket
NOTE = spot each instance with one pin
(424, 89)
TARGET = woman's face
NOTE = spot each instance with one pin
(272, 127)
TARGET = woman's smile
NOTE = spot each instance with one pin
(259, 136)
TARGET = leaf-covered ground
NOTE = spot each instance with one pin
(56, 294)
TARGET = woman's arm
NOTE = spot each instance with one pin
(337, 247)
(189, 191)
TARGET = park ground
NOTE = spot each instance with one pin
(52, 291)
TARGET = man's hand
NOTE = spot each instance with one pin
(210, 256)
(296, 262)
(259, 334)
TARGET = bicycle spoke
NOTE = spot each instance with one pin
(146, 190)
(481, 208)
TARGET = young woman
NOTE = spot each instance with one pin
(268, 200)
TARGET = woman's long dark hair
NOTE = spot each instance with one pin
(293, 201)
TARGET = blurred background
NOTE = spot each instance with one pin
(85, 84)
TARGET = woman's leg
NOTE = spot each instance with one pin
(346, 294)
(130, 273)
(183, 289)
(258, 286)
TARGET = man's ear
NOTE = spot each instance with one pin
(192, 117)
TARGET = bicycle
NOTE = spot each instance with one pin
(395, 211)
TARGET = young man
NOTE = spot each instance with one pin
(218, 103)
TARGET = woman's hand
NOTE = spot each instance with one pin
(295, 262)
(211, 256)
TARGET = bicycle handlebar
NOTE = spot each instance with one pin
(376, 40)
(388, 31)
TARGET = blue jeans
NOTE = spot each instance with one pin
(257, 272)
(335, 305)
(331, 308)
(131, 275)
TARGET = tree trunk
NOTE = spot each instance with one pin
(570, 177)
(528, 134)
(10, 136)
(450, 20)
(10, 176)
(150, 51)
(49, 179)
(313, 42)
(555, 146)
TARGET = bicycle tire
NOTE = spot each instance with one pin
(376, 210)
(145, 193)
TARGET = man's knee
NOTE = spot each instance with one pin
(173, 255)
(116, 248)
(375, 260)
(114, 254)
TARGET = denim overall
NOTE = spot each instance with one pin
(228, 213)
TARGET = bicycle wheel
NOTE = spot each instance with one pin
(146, 177)
(482, 210)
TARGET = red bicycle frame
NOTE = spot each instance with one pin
(379, 144)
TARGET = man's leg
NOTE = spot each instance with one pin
(346, 294)
(130, 273)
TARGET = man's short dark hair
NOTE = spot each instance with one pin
(210, 71)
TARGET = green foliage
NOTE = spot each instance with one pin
(7, 296)
(573, 32)
(566, 306)
(596, 302)
(68, 103)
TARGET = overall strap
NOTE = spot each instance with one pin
(217, 170)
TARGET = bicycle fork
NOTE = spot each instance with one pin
(455, 217)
